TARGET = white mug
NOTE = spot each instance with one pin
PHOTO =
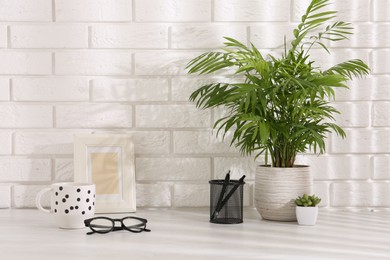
(71, 203)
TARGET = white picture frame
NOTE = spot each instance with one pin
(107, 160)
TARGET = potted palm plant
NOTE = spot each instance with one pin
(279, 106)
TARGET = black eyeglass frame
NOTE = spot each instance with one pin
(137, 228)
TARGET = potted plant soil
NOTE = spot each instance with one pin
(307, 209)
(279, 106)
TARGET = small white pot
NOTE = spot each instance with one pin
(306, 216)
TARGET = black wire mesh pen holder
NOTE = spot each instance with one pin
(231, 211)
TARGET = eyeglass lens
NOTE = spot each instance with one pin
(134, 225)
(101, 225)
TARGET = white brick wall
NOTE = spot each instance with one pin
(50, 89)
(381, 88)
(381, 167)
(172, 10)
(326, 61)
(380, 61)
(340, 167)
(360, 194)
(144, 89)
(140, 36)
(27, 143)
(161, 63)
(103, 66)
(49, 36)
(237, 166)
(381, 112)
(193, 195)
(93, 10)
(251, 11)
(25, 63)
(63, 170)
(353, 114)
(24, 196)
(370, 141)
(200, 142)
(269, 35)
(26, 10)
(204, 36)
(20, 169)
(154, 195)
(93, 116)
(350, 10)
(3, 36)
(24, 116)
(182, 87)
(168, 169)
(360, 90)
(93, 63)
(5, 198)
(6, 143)
(381, 8)
(171, 116)
(148, 142)
(4, 89)
(366, 35)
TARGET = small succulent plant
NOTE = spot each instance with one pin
(307, 201)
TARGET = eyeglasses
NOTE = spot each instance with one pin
(104, 225)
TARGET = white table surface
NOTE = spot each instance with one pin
(187, 234)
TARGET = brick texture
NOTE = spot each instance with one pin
(3, 36)
(25, 63)
(252, 10)
(103, 66)
(94, 11)
(171, 116)
(381, 167)
(18, 169)
(4, 89)
(94, 116)
(49, 36)
(6, 142)
(129, 36)
(24, 116)
(172, 11)
(167, 169)
(143, 89)
(25, 11)
(154, 195)
(50, 89)
(5, 196)
(381, 8)
(93, 63)
(205, 36)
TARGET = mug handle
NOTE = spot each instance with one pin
(38, 199)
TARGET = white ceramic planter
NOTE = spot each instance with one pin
(276, 189)
(307, 216)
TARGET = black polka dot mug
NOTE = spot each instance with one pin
(71, 203)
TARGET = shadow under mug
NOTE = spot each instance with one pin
(71, 203)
